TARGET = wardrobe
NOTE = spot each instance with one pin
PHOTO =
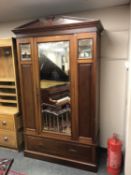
(59, 60)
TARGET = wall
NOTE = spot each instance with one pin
(5, 28)
(128, 127)
(113, 81)
(114, 54)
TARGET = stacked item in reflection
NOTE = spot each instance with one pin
(57, 117)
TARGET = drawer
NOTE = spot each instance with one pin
(8, 138)
(60, 148)
(7, 122)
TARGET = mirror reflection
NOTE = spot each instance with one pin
(85, 48)
(25, 52)
(55, 86)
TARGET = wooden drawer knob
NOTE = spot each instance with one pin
(4, 122)
(5, 139)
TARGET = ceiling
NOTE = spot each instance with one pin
(12, 10)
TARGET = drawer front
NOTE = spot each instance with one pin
(60, 148)
(8, 138)
(7, 122)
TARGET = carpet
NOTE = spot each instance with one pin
(12, 172)
(5, 167)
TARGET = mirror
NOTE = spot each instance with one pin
(85, 47)
(25, 52)
(55, 86)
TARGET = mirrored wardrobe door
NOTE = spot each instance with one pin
(55, 94)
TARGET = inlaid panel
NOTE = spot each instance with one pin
(28, 95)
(84, 99)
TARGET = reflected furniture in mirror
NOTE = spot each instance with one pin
(10, 116)
(59, 75)
(55, 86)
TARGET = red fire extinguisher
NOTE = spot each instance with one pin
(114, 155)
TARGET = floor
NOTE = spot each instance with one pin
(36, 167)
